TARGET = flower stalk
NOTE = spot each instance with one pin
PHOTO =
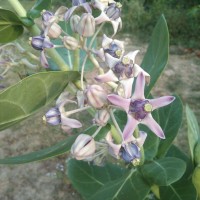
(17, 6)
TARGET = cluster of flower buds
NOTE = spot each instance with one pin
(83, 24)
(111, 89)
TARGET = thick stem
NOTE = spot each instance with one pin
(17, 6)
(76, 56)
(142, 156)
(77, 110)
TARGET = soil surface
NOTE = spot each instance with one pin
(45, 180)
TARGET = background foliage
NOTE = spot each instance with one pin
(183, 17)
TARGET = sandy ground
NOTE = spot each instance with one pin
(45, 180)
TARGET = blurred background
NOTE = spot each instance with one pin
(46, 180)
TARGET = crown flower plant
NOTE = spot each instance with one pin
(117, 139)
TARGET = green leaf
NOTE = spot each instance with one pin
(87, 179)
(108, 182)
(182, 189)
(10, 26)
(177, 153)
(170, 118)
(130, 186)
(196, 178)
(164, 171)
(152, 141)
(36, 10)
(55, 150)
(193, 130)
(32, 93)
(121, 118)
(156, 56)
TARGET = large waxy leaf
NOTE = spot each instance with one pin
(170, 118)
(156, 56)
(10, 26)
(55, 150)
(130, 186)
(88, 179)
(164, 171)
(108, 182)
(183, 189)
(32, 93)
(40, 5)
(193, 130)
(152, 141)
(177, 153)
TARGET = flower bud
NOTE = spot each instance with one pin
(70, 43)
(83, 147)
(101, 117)
(96, 96)
(52, 116)
(130, 153)
(113, 11)
(86, 25)
(54, 31)
(46, 17)
(40, 42)
(74, 20)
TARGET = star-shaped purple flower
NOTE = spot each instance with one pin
(110, 13)
(139, 109)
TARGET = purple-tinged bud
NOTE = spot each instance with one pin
(37, 42)
(46, 17)
(113, 11)
(40, 42)
(54, 31)
(70, 43)
(96, 96)
(86, 25)
(74, 20)
(52, 116)
(130, 153)
(83, 147)
(101, 117)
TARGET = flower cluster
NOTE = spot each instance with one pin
(109, 90)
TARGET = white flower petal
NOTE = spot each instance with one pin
(107, 77)
(131, 55)
(111, 61)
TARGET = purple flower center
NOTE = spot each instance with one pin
(139, 109)
(46, 16)
(121, 70)
(129, 152)
(113, 11)
(114, 50)
(53, 116)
